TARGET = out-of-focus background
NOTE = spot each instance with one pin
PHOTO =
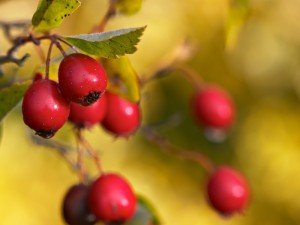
(252, 49)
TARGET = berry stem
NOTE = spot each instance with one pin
(58, 45)
(152, 136)
(190, 74)
(80, 161)
(67, 43)
(87, 146)
(110, 13)
(48, 60)
(93, 153)
(186, 72)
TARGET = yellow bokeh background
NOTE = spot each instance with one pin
(252, 51)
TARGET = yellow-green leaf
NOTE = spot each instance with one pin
(123, 79)
(237, 17)
(10, 96)
(129, 7)
(51, 13)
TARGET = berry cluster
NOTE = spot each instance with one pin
(109, 199)
(79, 96)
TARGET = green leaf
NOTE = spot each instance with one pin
(10, 96)
(51, 13)
(129, 7)
(108, 44)
(145, 214)
(123, 79)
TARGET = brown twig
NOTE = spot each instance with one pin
(190, 74)
(7, 28)
(180, 54)
(152, 136)
(17, 43)
(85, 145)
(48, 60)
(110, 13)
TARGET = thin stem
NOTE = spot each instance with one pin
(48, 60)
(93, 154)
(186, 72)
(87, 146)
(8, 26)
(190, 74)
(58, 45)
(80, 154)
(67, 43)
(164, 144)
(17, 43)
(80, 163)
(110, 13)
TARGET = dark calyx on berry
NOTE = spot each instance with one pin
(88, 116)
(82, 79)
(46, 133)
(92, 97)
(44, 108)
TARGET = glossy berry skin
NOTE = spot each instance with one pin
(81, 78)
(44, 108)
(111, 198)
(227, 191)
(87, 116)
(75, 210)
(122, 117)
(213, 107)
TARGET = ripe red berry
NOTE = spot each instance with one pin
(81, 78)
(87, 116)
(122, 116)
(44, 108)
(111, 198)
(213, 107)
(228, 191)
(75, 210)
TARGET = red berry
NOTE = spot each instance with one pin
(81, 78)
(75, 208)
(44, 108)
(228, 191)
(111, 198)
(87, 116)
(122, 116)
(213, 107)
